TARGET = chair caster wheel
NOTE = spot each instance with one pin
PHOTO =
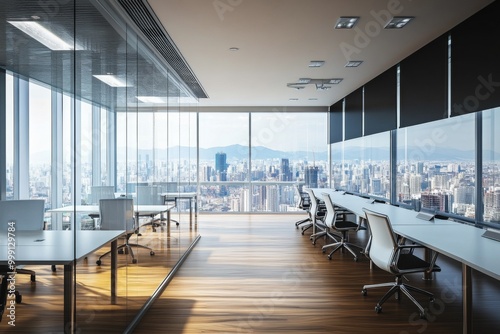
(431, 299)
(422, 316)
(98, 262)
(151, 253)
(54, 269)
(364, 292)
(19, 298)
(378, 309)
(33, 278)
(134, 260)
(329, 257)
(323, 251)
(355, 259)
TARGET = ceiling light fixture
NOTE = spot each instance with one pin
(293, 99)
(398, 22)
(321, 86)
(316, 63)
(346, 22)
(111, 80)
(234, 49)
(152, 99)
(38, 32)
(296, 85)
(335, 81)
(353, 63)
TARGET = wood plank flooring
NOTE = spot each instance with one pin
(258, 274)
(249, 274)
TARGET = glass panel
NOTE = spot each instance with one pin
(224, 159)
(491, 166)
(287, 148)
(436, 166)
(362, 165)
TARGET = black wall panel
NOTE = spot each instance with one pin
(354, 114)
(335, 129)
(380, 103)
(475, 62)
(423, 84)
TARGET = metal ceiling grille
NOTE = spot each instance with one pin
(142, 15)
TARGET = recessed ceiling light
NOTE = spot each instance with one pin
(38, 32)
(313, 99)
(353, 63)
(296, 85)
(335, 81)
(398, 22)
(322, 87)
(316, 63)
(293, 99)
(346, 22)
(152, 99)
(111, 80)
(234, 49)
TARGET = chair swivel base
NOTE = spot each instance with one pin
(396, 288)
(340, 246)
(126, 249)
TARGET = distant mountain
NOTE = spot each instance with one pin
(234, 152)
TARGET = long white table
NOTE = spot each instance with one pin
(141, 210)
(61, 248)
(458, 241)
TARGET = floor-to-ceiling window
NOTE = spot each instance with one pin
(491, 166)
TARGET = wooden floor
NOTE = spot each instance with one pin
(249, 274)
(258, 274)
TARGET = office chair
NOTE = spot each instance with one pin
(118, 214)
(170, 188)
(317, 214)
(150, 195)
(28, 215)
(395, 258)
(336, 219)
(303, 203)
(96, 194)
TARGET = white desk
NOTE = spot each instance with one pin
(60, 248)
(193, 201)
(141, 210)
(460, 242)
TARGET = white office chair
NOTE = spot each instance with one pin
(28, 215)
(317, 213)
(118, 214)
(303, 203)
(398, 259)
(151, 195)
(336, 219)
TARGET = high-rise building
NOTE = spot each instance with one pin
(285, 173)
(311, 177)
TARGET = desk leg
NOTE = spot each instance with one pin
(69, 301)
(190, 211)
(428, 258)
(467, 298)
(114, 265)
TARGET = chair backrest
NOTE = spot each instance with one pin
(303, 201)
(101, 192)
(117, 214)
(330, 210)
(383, 240)
(314, 202)
(148, 195)
(27, 213)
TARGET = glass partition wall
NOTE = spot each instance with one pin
(90, 113)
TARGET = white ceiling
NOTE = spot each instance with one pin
(278, 38)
